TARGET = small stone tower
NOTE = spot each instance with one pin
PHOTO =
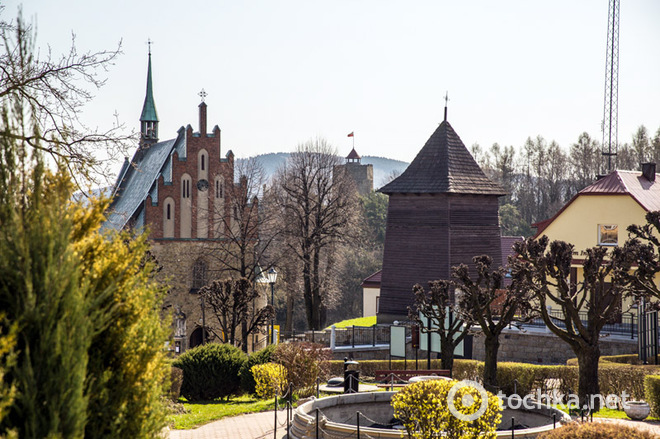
(362, 175)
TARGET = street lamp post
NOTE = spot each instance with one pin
(270, 277)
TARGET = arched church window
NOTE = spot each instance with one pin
(199, 275)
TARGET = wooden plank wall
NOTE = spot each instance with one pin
(428, 234)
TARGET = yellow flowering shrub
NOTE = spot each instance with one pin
(426, 411)
(269, 378)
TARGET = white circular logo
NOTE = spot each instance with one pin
(467, 400)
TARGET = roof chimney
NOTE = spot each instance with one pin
(648, 171)
(202, 119)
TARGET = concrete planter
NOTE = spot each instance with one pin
(637, 410)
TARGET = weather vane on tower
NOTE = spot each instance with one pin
(446, 100)
(202, 94)
(149, 43)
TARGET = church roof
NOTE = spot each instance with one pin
(443, 165)
(149, 107)
(353, 155)
(137, 180)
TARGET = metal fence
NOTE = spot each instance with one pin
(625, 324)
(362, 335)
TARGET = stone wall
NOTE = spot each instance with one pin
(177, 257)
(541, 347)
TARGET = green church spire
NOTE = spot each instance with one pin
(149, 107)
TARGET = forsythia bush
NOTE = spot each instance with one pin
(424, 410)
(270, 378)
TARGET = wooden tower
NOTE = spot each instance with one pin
(442, 212)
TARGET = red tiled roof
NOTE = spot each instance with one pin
(353, 154)
(372, 281)
(633, 183)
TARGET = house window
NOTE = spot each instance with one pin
(608, 234)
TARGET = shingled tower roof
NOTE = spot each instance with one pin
(444, 165)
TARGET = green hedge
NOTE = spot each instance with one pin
(652, 393)
(260, 357)
(525, 377)
(210, 371)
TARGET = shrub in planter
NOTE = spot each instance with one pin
(424, 409)
(260, 357)
(270, 378)
(652, 393)
(596, 430)
(210, 371)
(304, 363)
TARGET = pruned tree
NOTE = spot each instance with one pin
(435, 312)
(317, 207)
(646, 246)
(575, 310)
(483, 300)
(53, 90)
(234, 305)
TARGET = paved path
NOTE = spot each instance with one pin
(260, 426)
(251, 426)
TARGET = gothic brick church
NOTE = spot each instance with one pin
(178, 189)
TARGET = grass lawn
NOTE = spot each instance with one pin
(203, 412)
(361, 321)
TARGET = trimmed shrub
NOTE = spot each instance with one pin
(304, 363)
(270, 378)
(652, 393)
(596, 430)
(260, 357)
(210, 371)
(176, 379)
(424, 410)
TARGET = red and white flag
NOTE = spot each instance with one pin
(350, 135)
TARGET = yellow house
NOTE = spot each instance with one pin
(600, 214)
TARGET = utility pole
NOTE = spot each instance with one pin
(611, 107)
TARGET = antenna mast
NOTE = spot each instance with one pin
(611, 107)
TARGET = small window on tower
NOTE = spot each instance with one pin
(203, 160)
(169, 211)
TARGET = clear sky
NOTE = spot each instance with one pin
(280, 72)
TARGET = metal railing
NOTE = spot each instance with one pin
(625, 324)
(363, 336)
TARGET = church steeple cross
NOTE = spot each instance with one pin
(149, 43)
(203, 94)
(446, 100)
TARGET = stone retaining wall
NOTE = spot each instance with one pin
(540, 347)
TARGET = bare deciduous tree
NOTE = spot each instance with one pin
(53, 90)
(318, 205)
(233, 304)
